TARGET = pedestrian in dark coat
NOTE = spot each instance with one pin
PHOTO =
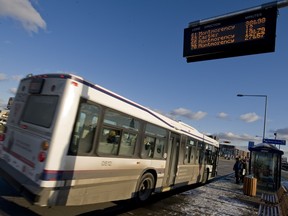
(237, 169)
(243, 169)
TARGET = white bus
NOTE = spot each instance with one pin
(70, 142)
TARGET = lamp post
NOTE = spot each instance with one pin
(265, 96)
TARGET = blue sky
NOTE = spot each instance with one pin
(135, 48)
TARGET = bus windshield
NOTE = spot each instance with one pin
(40, 110)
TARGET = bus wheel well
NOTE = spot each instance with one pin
(145, 186)
(153, 172)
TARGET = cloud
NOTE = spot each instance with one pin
(234, 137)
(282, 133)
(13, 90)
(249, 117)
(222, 115)
(188, 114)
(3, 77)
(17, 77)
(22, 11)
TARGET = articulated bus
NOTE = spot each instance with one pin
(70, 142)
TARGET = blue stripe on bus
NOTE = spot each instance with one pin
(49, 175)
(62, 175)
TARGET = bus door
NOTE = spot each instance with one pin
(172, 160)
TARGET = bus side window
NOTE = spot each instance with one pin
(190, 151)
(201, 152)
(210, 152)
(154, 142)
(128, 143)
(159, 148)
(119, 134)
(148, 147)
(84, 129)
(109, 141)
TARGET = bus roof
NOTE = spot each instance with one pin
(177, 126)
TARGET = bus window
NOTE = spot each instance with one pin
(208, 153)
(154, 142)
(128, 143)
(159, 148)
(187, 152)
(149, 146)
(109, 141)
(117, 119)
(201, 152)
(211, 154)
(40, 110)
(190, 151)
(182, 152)
(119, 134)
(84, 129)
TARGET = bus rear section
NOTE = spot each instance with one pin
(48, 159)
(28, 134)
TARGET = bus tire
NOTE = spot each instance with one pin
(145, 187)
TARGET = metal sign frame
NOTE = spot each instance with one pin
(195, 50)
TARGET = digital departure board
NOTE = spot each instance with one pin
(242, 34)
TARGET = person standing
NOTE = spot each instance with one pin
(243, 169)
(237, 169)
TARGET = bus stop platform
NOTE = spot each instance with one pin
(222, 196)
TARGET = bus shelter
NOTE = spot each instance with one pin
(265, 165)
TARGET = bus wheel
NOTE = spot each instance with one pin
(145, 187)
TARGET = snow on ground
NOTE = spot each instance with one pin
(222, 198)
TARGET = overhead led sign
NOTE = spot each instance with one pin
(245, 33)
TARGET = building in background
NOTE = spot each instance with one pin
(229, 151)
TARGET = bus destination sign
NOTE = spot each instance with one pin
(247, 33)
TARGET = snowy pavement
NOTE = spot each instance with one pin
(221, 197)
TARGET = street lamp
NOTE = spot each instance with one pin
(265, 96)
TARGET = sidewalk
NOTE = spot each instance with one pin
(221, 197)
